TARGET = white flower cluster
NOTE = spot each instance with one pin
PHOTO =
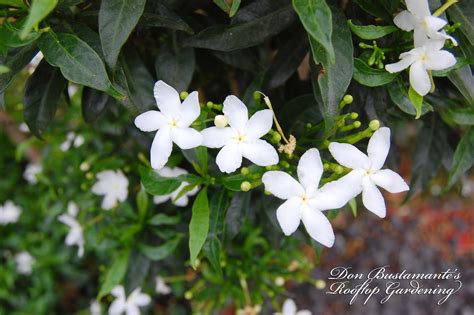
(9, 213)
(71, 140)
(305, 200)
(429, 41)
(75, 235)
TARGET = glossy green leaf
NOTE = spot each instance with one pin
(117, 19)
(78, 62)
(38, 11)
(463, 79)
(317, 19)
(10, 34)
(164, 17)
(157, 185)
(463, 13)
(380, 8)
(461, 116)
(13, 3)
(160, 252)
(398, 94)
(417, 101)
(371, 31)
(163, 219)
(94, 103)
(229, 7)
(142, 201)
(175, 67)
(238, 36)
(4, 69)
(199, 225)
(114, 274)
(16, 60)
(463, 158)
(43, 90)
(368, 76)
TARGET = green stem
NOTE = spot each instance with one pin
(444, 7)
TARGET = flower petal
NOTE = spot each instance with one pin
(167, 98)
(440, 60)
(117, 307)
(189, 111)
(108, 202)
(289, 215)
(161, 199)
(336, 194)
(434, 22)
(118, 291)
(404, 63)
(186, 138)
(420, 36)
(405, 21)
(318, 226)
(348, 155)
(161, 148)
(260, 152)
(372, 198)
(236, 112)
(379, 145)
(304, 312)
(229, 158)
(418, 8)
(289, 307)
(132, 309)
(390, 181)
(214, 137)
(259, 124)
(282, 185)
(310, 169)
(150, 121)
(419, 78)
(139, 298)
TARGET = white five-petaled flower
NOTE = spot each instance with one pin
(71, 139)
(75, 235)
(113, 185)
(128, 305)
(161, 286)
(418, 19)
(367, 172)
(31, 170)
(304, 201)
(9, 213)
(421, 60)
(289, 308)
(95, 308)
(242, 138)
(24, 263)
(172, 122)
(184, 199)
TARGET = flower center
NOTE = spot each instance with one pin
(304, 199)
(423, 57)
(173, 123)
(369, 172)
(240, 138)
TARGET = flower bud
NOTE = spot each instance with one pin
(267, 192)
(285, 164)
(245, 186)
(279, 281)
(183, 95)
(90, 175)
(244, 171)
(357, 124)
(374, 124)
(354, 115)
(276, 137)
(320, 284)
(209, 104)
(338, 169)
(188, 295)
(256, 95)
(84, 166)
(220, 121)
(257, 308)
(348, 99)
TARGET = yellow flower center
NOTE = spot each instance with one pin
(173, 123)
(304, 199)
(240, 138)
(369, 172)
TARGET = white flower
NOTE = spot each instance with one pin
(24, 263)
(304, 201)
(161, 286)
(367, 173)
(75, 235)
(242, 138)
(31, 170)
(23, 127)
(9, 213)
(418, 19)
(181, 201)
(71, 139)
(421, 60)
(95, 308)
(130, 305)
(172, 122)
(289, 308)
(113, 185)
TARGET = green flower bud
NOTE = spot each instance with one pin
(244, 171)
(320, 284)
(245, 186)
(188, 295)
(285, 164)
(357, 124)
(338, 169)
(256, 95)
(276, 137)
(85, 166)
(348, 99)
(354, 115)
(209, 104)
(90, 175)
(183, 95)
(374, 124)
(267, 192)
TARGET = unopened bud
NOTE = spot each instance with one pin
(279, 281)
(267, 192)
(257, 308)
(89, 175)
(285, 164)
(245, 186)
(357, 124)
(84, 166)
(348, 99)
(354, 115)
(338, 169)
(183, 95)
(320, 284)
(256, 95)
(209, 104)
(188, 295)
(220, 121)
(244, 171)
(276, 137)
(374, 124)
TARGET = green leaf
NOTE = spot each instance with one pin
(43, 90)
(234, 8)
(115, 274)
(10, 34)
(142, 202)
(164, 17)
(4, 69)
(117, 19)
(94, 103)
(417, 101)
(460, 116)
(398, 95)
(368, 76)
(228, 6)
(463, 79)
(163, 219)
(157, 185)
(13, 3)
(463, 158)
(380, 8)
(353, 205)
(175, 67)
(199, 225)
(38, 11)
(160, 252)
(332, 81)
(78, 62)
(463, 13)
(371, 31)
(460, 62)
(316, 17)
(238, 36)
(16, 60)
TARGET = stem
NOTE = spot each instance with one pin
(444, 7)
(245, 289)
(95, 220)
(269, 104)
(432, 82)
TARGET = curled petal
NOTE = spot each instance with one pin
(161, 148)
(318, 226)
(310, 169)
(186, 138)
(390, 181)
(282, 185)
(419, 78)
(259, 124)
(236, 112)
(405, 21)
(440, 60)
(150, 121)
(379, 145)
(373, 199)
(260, 152)
(167, 98)
(229, 158)
(189, 111)
(289, 215)
(348, 155)
(214, 137)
